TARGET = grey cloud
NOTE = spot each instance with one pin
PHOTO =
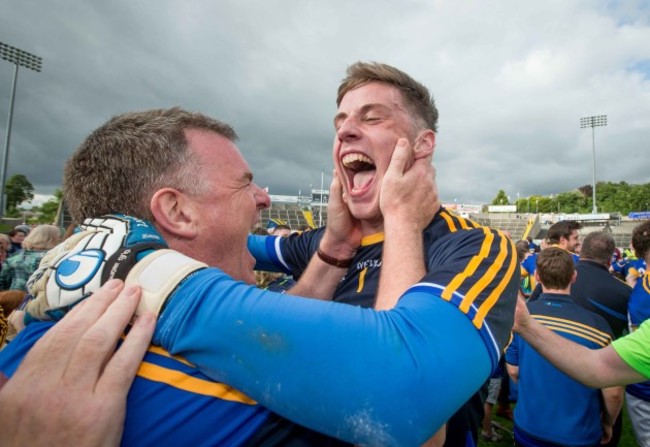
(511, 81)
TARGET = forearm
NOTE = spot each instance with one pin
(612, 404)
(597, 368)
(399, 394)
(320, 278)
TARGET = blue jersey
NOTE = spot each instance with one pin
(172, 403)
(639, 311)
(552, 407)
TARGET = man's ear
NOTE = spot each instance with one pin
(174, 213)
(425, 144)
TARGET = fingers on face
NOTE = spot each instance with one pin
(402, 158)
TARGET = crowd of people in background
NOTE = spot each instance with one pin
(592, 299)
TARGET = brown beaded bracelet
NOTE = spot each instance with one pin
(341, 263)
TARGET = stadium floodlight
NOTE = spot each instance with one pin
(20, 58)
(593, 122)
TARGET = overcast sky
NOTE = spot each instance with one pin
(511, 80)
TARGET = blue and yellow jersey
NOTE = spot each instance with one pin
(636, 269)
(470, 266)
(172, 403)
(552, 407)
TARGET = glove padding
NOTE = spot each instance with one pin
(158, 275)
(104, 249)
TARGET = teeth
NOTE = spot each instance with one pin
(349, 159)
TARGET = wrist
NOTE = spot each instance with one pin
(335, 262)
(337, 249)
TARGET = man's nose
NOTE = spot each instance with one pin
(262, 198)
(348, 129)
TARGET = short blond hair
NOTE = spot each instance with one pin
(43, 237)
(416, 96)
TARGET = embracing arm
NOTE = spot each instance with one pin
(597, 368)
(400, 394)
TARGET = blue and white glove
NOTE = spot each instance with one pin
(103, 249)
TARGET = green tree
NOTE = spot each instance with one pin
(18, 190)
(47, 211)
(501, 198)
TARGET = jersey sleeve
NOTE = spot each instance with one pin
(284, 254)
(633, 349)
(363, 376)
(477, 271)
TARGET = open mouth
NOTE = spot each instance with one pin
(360, 170)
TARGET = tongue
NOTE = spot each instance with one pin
(362, 178)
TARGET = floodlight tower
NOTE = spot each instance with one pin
(593, 122)
(21, 58)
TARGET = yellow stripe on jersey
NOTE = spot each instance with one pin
(599, 337)
(160, 351)
(453, 221)
(580, 334)
(491, 300)
(487, 277)
(362, 277)
(471, 268)
(449, 220)
(372, 239)
(195, 385)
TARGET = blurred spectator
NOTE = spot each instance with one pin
(488, 433)
(280, 230)
(532, 246)
(24, 228)
(563, 235)
(5, 243)
(18, 268)
(9, 300)
(523, 251)
(16, 237)
(595, 289)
